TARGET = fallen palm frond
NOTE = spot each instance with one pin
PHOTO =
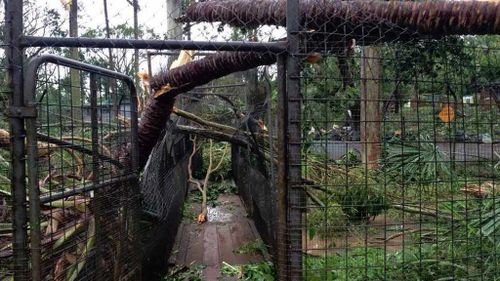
(66, 235)
(423, 163)
(71, 146)
(63, 222)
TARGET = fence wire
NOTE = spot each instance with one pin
(86, 225)
(399, 161)
(163, 187)
(400, 164)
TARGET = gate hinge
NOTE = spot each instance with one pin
(21, 111)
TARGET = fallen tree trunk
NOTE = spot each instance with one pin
(359, 19)
(169, 83)
(182, 79)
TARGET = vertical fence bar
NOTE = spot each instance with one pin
(134, 166)
(294, 216)
(95, 173)
(32, 173)
(14, 54)
(281, 232)
(95, 128)
(33, 191)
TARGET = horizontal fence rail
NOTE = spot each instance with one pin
(80, 42)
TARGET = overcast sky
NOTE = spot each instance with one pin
(120, 11)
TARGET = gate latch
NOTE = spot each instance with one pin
(21, 111)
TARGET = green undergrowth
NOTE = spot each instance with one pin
(466, 249)
(441, 261)
(263, 271)
(256, 246)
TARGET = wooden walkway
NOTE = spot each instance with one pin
(218, 239)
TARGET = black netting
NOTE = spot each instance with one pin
(256, 189)
(163, 187)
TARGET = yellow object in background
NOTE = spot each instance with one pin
(447, 113)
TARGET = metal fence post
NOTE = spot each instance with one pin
(294, 216)
(14, 54)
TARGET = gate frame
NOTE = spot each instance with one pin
(32, 138)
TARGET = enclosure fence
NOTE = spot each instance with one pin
(379, 158)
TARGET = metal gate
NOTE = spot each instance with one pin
(82, 172)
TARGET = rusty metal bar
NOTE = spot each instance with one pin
(82, 42)
(96, 163)
(14, 55)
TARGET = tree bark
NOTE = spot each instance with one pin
(370, 21)
(370, 108)
(202, 71)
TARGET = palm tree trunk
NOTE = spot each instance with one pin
(211, 67)
(183, 79)
(371, 21)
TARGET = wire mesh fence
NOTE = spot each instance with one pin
(400, 165)
(372, 155)
(82, 172)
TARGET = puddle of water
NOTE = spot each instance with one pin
(218, 214)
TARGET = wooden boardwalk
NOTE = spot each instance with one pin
(217, 240)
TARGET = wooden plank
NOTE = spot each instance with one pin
(178, 255)
(195, 246)
(211, 256)
(211, 245)
(226, 246)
